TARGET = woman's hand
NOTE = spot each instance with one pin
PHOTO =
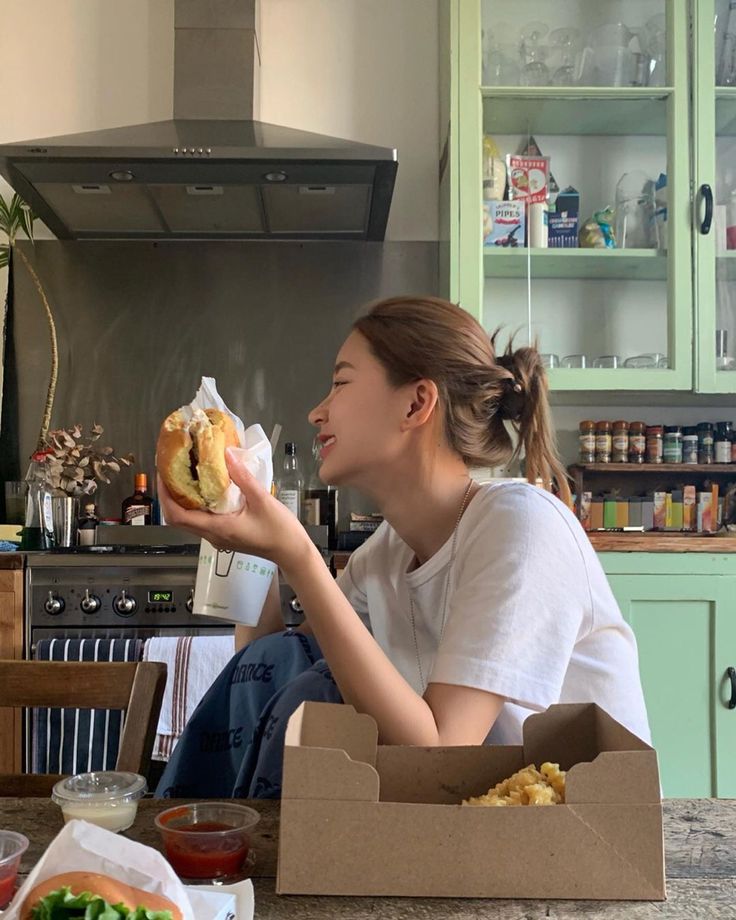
(263, 527)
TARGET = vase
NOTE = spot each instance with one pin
(64, 517)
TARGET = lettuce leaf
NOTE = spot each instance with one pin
(63, 905)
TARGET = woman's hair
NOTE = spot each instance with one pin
(416, 337)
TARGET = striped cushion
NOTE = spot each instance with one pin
(79, 740)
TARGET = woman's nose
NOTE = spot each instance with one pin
(318, 415)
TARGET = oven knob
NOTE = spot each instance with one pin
(90, 603)
(190, 602)
(54, 605)
(124, 605)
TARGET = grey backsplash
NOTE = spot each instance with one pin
(140, 323)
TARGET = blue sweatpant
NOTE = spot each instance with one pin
(233, 744)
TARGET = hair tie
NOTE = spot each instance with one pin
(512, 402)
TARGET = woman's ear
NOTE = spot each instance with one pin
(422, 396)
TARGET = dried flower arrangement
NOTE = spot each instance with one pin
(74, 463)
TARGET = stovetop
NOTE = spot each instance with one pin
(184, 549)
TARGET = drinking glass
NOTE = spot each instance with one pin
(565, 48)
(649, 360)
(635, 210)
(15, 502)
(534, 54)
(500, 59)
(549, 360)
(575, 361)
(607, 361)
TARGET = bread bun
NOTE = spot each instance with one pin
(113, 891)
(190, 456)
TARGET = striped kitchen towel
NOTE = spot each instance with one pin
(192, 664)
(79, 740)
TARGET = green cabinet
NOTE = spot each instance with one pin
(682, 608)
(601, 127)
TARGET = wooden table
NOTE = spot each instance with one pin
(700, 840)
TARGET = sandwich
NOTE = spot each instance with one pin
(81, 895)
(190, 456)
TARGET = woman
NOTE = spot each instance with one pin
(472, 605)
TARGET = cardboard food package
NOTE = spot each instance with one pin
(358, 818)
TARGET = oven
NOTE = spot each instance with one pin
(107, 593)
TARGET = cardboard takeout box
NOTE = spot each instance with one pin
(358, 818)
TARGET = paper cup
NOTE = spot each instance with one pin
(231, 586)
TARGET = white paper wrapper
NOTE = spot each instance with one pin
(84, 847)
(255, 448)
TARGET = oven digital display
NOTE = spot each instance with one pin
(160, 597)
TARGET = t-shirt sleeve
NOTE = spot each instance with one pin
(351, 582)
(521, 600)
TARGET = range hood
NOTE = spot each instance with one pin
(213, 171)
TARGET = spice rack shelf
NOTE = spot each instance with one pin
(685, 468)
(599, 264)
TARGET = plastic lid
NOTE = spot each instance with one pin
(99, 788)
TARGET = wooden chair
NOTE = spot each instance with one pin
(136, 687)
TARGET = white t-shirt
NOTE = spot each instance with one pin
(529, 614)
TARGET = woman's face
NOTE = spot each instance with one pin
(360, 419)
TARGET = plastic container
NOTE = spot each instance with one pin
(705, 442)
(603, 442)
(655, 444)
(620, 449)
(672, 444)
(637, 442)
(208, 841)
(586, 440)
(108, 799)
(690, 444)
(12, 848)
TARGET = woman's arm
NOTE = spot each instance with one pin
(364, 674)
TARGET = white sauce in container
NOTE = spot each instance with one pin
(108, 799)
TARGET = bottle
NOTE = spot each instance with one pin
(637, 442)
(603, 442)
(722, 444)
(291, 483)
(690, 444)
(655, 443)
(620, 441)
(705, 442)
(136, 509)
(672, 446)
(87, 525)
(319, 503)
(587, 441)
(38, 532)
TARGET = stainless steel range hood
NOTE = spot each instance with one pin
(213, 171)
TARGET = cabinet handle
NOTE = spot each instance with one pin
(706, 193)
(732, 677)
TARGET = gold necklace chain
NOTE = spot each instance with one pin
(447, 585)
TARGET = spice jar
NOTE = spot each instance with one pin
(603, 442)
(587, 442)
(690, 444)
(655, 444)
(620, 442)
(637, 442)
(672, 447)
(722, 442)
(705, 442)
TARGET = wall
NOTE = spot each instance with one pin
(361, 69)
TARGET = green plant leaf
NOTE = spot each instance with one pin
(4, 216)
(4, 255)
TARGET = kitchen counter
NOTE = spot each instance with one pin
(11, 561)
(700, 846)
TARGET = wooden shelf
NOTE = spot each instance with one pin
(700, 468)
(598, 264)
(576, 111)
(661, 542)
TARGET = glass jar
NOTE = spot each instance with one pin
(620, 442)
(587, 442)
(655, 444)
(722, 442)
(672, 447)
(637, 442)
(690, 444)
(603, 442)
(705, 442)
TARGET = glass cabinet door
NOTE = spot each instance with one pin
(574, 185)
(715, 214)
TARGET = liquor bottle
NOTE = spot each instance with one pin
(290, 481)
(136, 509)
(319, 505)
